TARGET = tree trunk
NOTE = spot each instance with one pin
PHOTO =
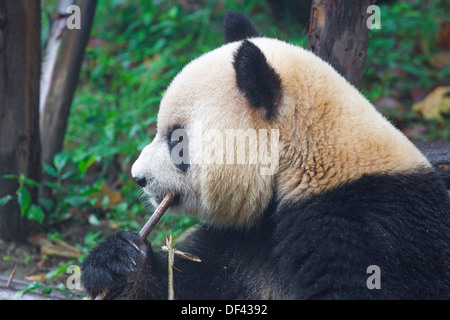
(338, 33)
(20, 36)
(62, 76)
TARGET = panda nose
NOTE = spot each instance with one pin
(142, 182)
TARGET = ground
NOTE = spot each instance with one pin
(42, 260)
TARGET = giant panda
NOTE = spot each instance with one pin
(347, 209)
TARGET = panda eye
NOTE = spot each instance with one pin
(177, 141)
(173, 144)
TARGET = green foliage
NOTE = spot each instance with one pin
(401, 51)
(401, 64)
(24, 199)
(31, 286)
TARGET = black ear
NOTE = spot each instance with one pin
(256, 79)
(238, 27)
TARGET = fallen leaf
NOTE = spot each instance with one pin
(37, 277)
(115, 225)
(60, 248)
(435, 104)
(114, 197)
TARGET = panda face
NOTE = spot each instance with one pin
(202, 106)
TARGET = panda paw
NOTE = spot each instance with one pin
(107, 268)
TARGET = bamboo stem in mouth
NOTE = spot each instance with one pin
(156, 216)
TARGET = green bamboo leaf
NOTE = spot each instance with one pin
(24, 199)
(35, 213)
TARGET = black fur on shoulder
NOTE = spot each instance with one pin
(256, 79)
(237, 27)
(400, 223)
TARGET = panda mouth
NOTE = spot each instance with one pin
(176, 200)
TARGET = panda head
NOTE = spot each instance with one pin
(258, 119)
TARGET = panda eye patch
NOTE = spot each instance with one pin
(177, 141)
